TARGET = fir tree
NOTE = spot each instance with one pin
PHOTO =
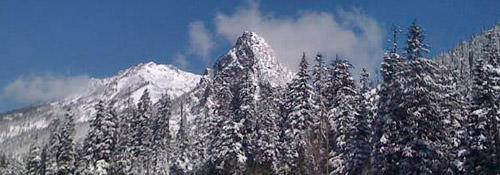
(483, 124)
(422, 131)
(388, 109)
(34, 161)
(122, 155)
(100, 144)
(142, 135)
(321, 126)
(183, 161)
(415, 46)
(245, 112)
(299, 122)
(52, 148)
(161, 137)
(228, 155)
(66, 158)
(267, 136)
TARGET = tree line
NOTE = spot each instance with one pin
(422, 118)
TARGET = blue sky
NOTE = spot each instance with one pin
(68, 41)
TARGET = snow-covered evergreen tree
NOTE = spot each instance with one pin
(161, 137)
(142, 135)
(484, 124)
(415, 46)
(299, 122)
(421, 142)
(122, 155)
(183, 161)
(350, 133)
(388, 110)
(267, 136)
(100, 144)
(321, 126)
(245, 109)
(34, 161)
(66, 158)
(361, 149)
(52, 148)
(454, 108)
(227, 152)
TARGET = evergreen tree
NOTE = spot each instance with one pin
(342, 119)
(267, 136)
(161, 137)
(34, 161)
(183, 161)
(246, 113)
(122, 155)
(66, 159)
(422, 132)
(361, 149)
(321, 126)
(142, 135)
(100, 144)
(454, 108)
(483, 124)
(228, 155)
(415, 45)
(388, 110)
(299, 122)
(350, 132)
(52, 148)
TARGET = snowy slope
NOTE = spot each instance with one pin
(17, 128)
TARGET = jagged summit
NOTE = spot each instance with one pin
(252, 51)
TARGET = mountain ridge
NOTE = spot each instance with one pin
(250, 50)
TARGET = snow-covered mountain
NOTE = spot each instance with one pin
(20, 128)
(250, 52)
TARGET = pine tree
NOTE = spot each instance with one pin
(267, 136)
(183, 161)
(246, 114)
(415, 45)
(52, 148)
(350, 133)
(67, 154)
(161, 137)
(100, 144)
(299, 122)
(122, 155)
(388, 110)
(423, 132)
(34, 161)
(483, 124)
(361, 149)
(342, 119)
(142, 135)
(228, 155)
(454, 109)
(321, 126)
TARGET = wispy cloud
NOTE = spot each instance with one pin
(350, 34)
(42, 88)
(180, 60)
(200, 40)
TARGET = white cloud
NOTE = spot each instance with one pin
(181, 60)
(350, 34)
(200, 41)
(42, 88)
